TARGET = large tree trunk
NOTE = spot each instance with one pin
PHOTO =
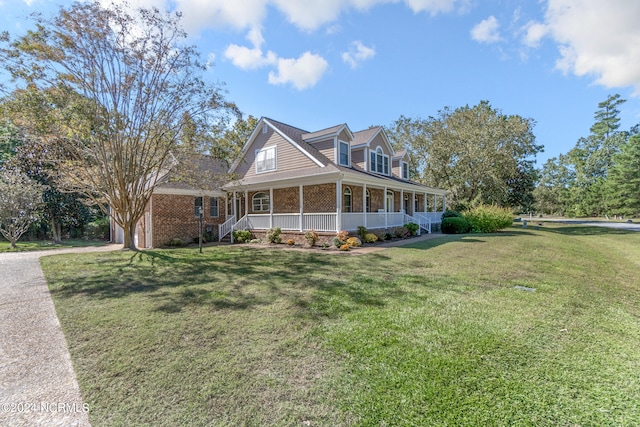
(56, 231)
(129, 235)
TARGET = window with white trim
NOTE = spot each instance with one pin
(347, 200)
(260, 202)
(197, 206)
(379, 162)
(266, 159)
(343, 153)
(405, 170)
(213, 207)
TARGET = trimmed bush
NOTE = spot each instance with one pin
(451, 214)
(175, 242)
(311, 237)
(412, 227)
(354, 242)
(362, 231)
(273, 235)
(455, 225)
(488, 219)
(241, 236)
(370, 238)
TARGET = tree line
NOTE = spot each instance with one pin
(600, 176)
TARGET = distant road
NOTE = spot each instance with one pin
(607, 224)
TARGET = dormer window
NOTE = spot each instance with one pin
(343, 153)
(266, 159)
(379, 162)
(405, 170)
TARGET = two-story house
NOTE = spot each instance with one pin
(328, 180)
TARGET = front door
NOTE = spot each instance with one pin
(390, 201)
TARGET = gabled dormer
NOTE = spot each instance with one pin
(400, 163)
(333, 142)
(274, 147)
(373, 147)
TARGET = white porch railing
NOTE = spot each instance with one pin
(434, 217)
(286, 221)
(327, 222)
(226, 227)
(319, 221)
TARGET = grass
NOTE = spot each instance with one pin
(430, 334)
(22, 246)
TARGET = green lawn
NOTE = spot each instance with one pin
(39, 245)
(434, 333)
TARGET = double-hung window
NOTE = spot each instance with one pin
(261, 202)
(343, 149)
(197, 206)
(379, 162)
(405, 170)
(266, 159)
(213, 207)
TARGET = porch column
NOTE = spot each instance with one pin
(425, 202)
(300, 196)
(386, 203)
(364, 205)
(413, 203)
(435, 203)
(246, 203)
(444, 203)
(233, 208)
(401, 209)
(338, 205)
(270, 207)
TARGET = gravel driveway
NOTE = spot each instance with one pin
(38, 386)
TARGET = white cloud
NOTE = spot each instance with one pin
(248, 58)
(533, 33)
(302, 73)
(487, 31)
(357, 53)
(597, 38)
(434, 7)
(308, 15)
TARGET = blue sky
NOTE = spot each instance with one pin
(317, 63)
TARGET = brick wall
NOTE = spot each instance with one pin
(174, 217)
(319, 198)
(286, 200)
(377, 199)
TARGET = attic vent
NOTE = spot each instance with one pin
(264, 128)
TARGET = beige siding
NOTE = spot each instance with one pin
(378, 141)
(326, 148)
(396, 170)
(357, 158)
(344, 135)
(288, 157)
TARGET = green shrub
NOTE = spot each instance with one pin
(353, 242)
(455, 225)
(311, 237)
(98, 229)
(488, 219)
(370, 238)
(175, 242)
(412, 227)
(362, 231)
(273, 235)
(241, 236)
(451, 214)
(337, 242)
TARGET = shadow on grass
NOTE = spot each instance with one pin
(232, 278)
(586, 230)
